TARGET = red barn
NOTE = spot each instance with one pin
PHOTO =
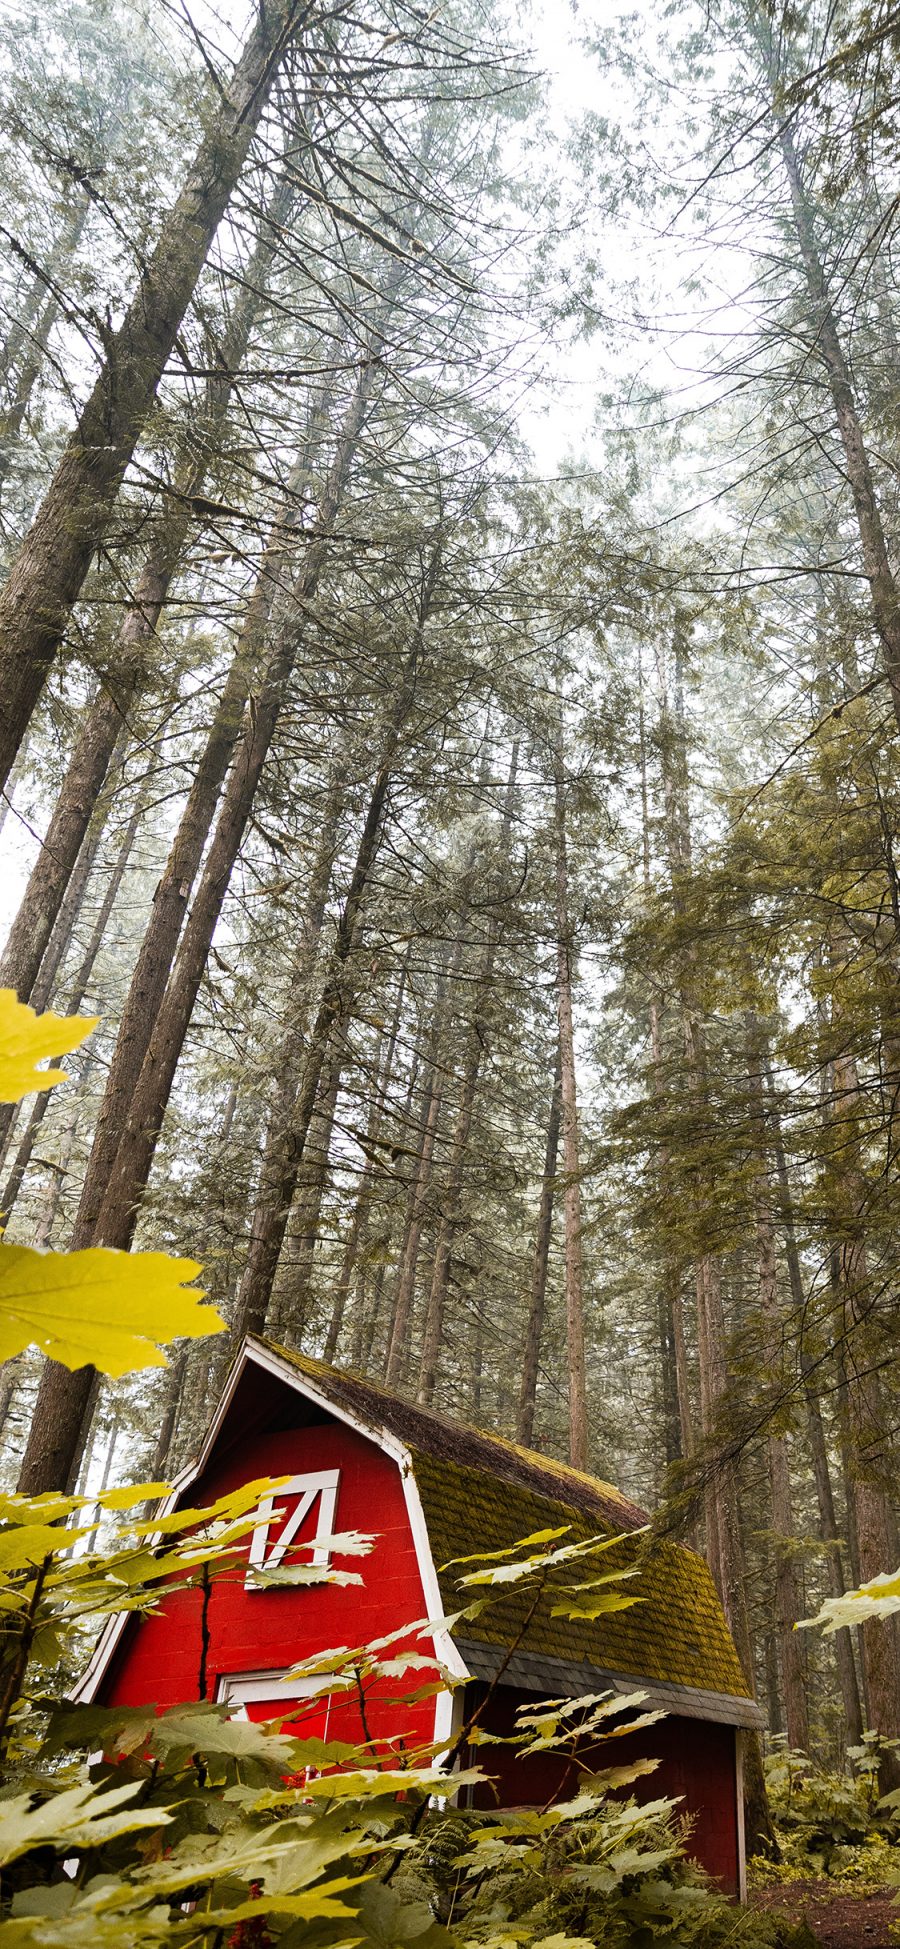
(428, 1490)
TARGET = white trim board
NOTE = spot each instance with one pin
(266, 1688)
(739, 1812)
(321, 1487)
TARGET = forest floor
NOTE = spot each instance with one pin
(838, 1918)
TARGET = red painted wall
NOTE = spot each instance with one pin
(272, 1629)
(697, 1766)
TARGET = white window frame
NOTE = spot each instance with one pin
(240, 1689)
(322, 1485)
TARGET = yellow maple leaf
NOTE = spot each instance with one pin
(27, 1039)
(98, 1307)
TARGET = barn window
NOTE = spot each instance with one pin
(241, 1690)
(287, 1696)
(306, 1492)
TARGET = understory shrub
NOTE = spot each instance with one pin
(125, 1825)
(831, 1824)
(601, 1871)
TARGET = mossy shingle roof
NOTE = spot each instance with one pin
(481, 1493)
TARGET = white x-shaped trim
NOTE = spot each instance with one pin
(306, 1488)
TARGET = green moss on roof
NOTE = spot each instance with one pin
(437, 1434)
(481, 1493)
(676, 1634)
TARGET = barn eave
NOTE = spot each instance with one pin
(560, 1678)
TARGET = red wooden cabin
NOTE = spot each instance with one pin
(360, 1458)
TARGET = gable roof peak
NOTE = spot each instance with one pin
(444, 1439)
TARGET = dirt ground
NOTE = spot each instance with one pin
(837, 1920)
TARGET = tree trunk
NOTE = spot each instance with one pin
(144, 1003)
(818, 1448)
(865, 1413)
(57, 947)
(450, 1208)
(204, 1377)
(788, 1608)
(187, 1378)
(674, 1370)
(678, 1409)
(362, 1205)
(478, 1336)
(130, 661)
(682, 1373)
(10, 1376)
(70, 908)
(355, 1239)
(22, 326)
(286, 1145)
(53, 560)
(452, 1197)
(775, 1727)
(859, 1334)
(8, 795)
(74, 998)
(727, 1557)
(172, 1401)
(724, 1544)
(293, 1288)
(432, 1098)
(301, 988)
(43, 1231)
(535, 1324)
(368, 1326)
(573, 1243)
(26, 343)
(827, 342)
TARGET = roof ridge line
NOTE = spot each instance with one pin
(557, 1475)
